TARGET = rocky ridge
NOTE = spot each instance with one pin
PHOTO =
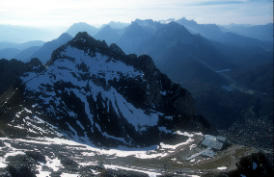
(96, 93)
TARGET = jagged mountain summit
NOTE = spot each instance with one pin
(97, 93)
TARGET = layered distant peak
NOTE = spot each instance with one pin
(186, 21)
(107, 30)
(109, 34)
(175, 34)
(98, 94)
(81, 27)
(117, 25)
(64, 37)
(175, 28)
(44, 52)
(107, 27)
(192, 23)
(134, 27)
(147, 22)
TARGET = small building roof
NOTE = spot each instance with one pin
(214, 142)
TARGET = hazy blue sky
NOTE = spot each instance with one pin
(65, 12)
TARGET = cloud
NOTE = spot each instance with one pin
(220, 2)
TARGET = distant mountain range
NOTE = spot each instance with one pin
(116, 25)
(114, 32)
(92, 30)
(21, 34)
(20, 46)
(109, 34)
(228, 36)
(214, 62)
(209, 66)
(260, 32)
(45, 51)
(33, 49)
(82, 27)
(9, 53)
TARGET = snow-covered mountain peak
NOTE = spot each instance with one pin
(90, 46)
(98, 94)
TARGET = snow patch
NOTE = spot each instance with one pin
(27, 110)
(184, 134)
(69, 175)
(42, 173)
(2, 163)
(149, 172)
(152, 152)
(54, 164)
(13, 154)
(222, 168)
(192, 146)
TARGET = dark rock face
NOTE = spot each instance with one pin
(113, 173)
(22, 165)
(11, 70)
(254, 165)
(95, 92)
(250, 166)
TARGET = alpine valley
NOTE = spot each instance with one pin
(78, 106)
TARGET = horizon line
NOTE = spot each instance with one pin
(126, 22)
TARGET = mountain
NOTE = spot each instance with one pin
(210, 31)
(44, 52)
(117, 25)
(20, 46)
(82, 27)
(148, 24)
(109, 34)
(20, 34)
(13, 69)
(21, 51)
(9, 53)
(26, 55)
(214, 70)
(215, 33)
(135, 34)
(97, 92)
(176, 37)
(260, 32)
(258, 77)
(184, 57)
(93, 110)
(158, 40)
